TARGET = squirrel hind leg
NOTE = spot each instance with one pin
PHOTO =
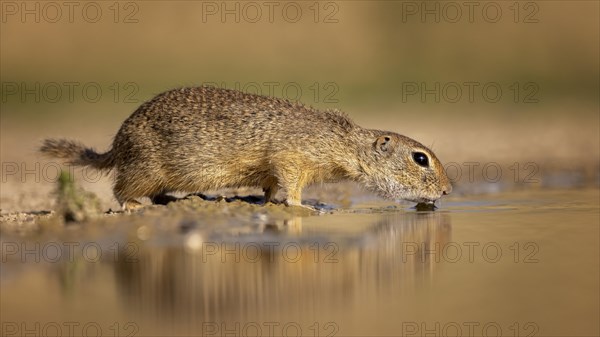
(128, 188)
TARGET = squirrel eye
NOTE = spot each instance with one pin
(421, 159)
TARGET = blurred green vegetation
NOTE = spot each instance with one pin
(368, 54)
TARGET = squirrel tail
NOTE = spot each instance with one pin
(77, 154)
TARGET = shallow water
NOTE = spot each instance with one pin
(511, 264)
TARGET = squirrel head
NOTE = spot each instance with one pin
(405, 169)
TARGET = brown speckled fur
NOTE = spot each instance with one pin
(197, 139)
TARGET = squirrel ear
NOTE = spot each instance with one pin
(383, 143)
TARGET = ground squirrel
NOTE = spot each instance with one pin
(206, 138)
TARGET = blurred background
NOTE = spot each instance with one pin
(489, 82)
(505, 92)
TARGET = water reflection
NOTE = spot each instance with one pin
(368, 271)
(280, 269)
